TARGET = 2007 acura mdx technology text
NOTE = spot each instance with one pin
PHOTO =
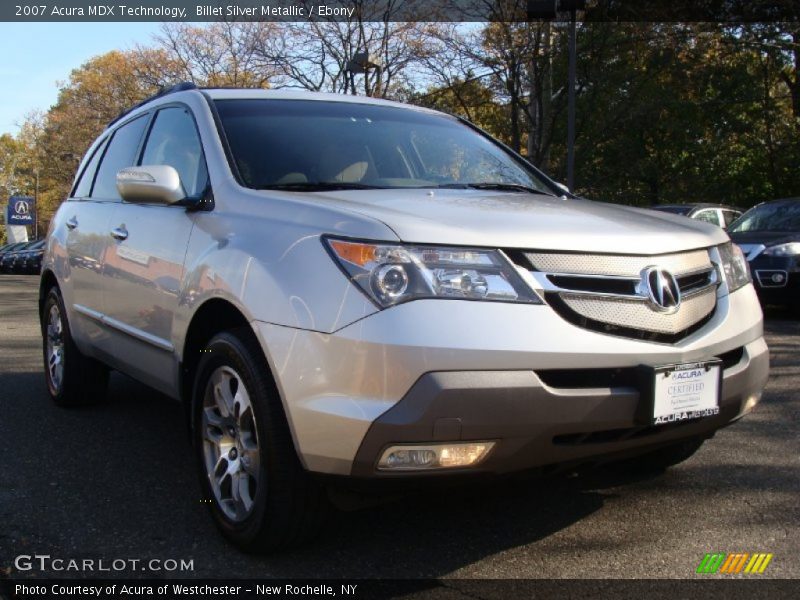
(347, 290)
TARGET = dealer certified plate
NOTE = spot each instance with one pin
(687, 391)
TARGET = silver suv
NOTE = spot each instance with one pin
(345, 290)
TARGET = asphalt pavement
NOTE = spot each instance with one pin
(117, 481)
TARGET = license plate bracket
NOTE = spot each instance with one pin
(679, 392)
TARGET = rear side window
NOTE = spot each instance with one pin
(84, 187)
(174, 141)
(121, 153)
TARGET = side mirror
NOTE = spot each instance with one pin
(154, 183)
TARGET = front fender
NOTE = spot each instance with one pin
(275, 272)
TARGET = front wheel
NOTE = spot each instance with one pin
(73, 379)
(260, 496)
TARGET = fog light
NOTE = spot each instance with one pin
(751, 402)
(777, 278)
(433, 456)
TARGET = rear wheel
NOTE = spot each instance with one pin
(261, 497)
(72, 378)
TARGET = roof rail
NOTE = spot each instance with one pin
(163, 91)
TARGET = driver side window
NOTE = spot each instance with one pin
(174, 141)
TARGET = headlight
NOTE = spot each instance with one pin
(790, 249)
(394, 273)
(734, 264)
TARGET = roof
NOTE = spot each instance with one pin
(298, 94)
(782, 201)
(258, 93)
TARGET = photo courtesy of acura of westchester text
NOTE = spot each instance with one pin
(399, 298)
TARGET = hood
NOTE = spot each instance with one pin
(522, 220)
(767, 238)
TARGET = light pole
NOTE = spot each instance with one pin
(362, 62)
(571, 102)
(549, 9)
(36, 206)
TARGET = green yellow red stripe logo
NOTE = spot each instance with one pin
(736, 562)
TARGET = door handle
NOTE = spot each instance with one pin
(72, 223)
(119, 233)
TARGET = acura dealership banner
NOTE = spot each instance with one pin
(21, 211)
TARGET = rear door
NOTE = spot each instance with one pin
(88, 216)
(144, 264)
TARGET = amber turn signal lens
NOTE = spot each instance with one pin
(354, 252)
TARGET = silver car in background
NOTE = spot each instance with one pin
(344, 291)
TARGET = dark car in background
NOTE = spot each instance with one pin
(10, 247)
(29, 260)
(8, 253)
(769, 236)
(720, 215)
(12, 260)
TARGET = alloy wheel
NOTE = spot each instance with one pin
(55, 348)
(230, 443)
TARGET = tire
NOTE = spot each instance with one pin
(260, 496)
(661, 459)
(73, 379)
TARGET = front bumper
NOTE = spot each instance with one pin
(538, 425)
(441, 370)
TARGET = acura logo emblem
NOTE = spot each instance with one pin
(662, 289)
(21, 207)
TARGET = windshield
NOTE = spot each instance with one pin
(300, 144)
(784, 216)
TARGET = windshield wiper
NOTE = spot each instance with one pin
(503, 187)
(319, 186)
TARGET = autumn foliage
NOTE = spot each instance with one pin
(666, 112)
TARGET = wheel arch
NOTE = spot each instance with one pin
(47, 281)
(214, 316)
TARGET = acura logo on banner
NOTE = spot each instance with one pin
(21, 211)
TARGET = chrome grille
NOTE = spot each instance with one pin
(617, 265)
(609, 293)
(637, 314)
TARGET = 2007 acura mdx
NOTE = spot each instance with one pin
(343, 289)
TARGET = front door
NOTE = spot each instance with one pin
(144, 263)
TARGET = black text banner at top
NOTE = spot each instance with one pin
(725, 11)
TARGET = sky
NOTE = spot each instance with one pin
(34, 57)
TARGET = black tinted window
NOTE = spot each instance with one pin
(84, 186)
(290, 142)
(174, 141)
(121, 153)
(783, 216)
